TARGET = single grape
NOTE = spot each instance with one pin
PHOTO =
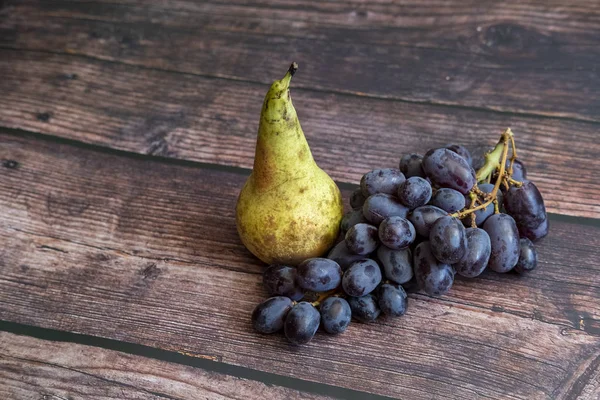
(411, 165)
(392, 299)
(461, 151)
(343, 256)
(414, 192)
(526, 205)
(357, 199)
(519, 172)
(362, 239)
(381, 181)
(302, 323)
(448, 240)
(396, 264)
(335, 315)
(424, 217)
(381, 206)
(477, 255)
(449, 200)
(483, 214)
(318, 274)
(280, 280)
(527, 256)
(269, 316)
(445, 168)
(504, 238)
(361, 278)
(434, 278)
(364, 309)
(350, 219)
(396, 233)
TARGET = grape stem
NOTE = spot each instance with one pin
(323, 296)
(495, 160)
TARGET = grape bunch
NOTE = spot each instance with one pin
(411, 228)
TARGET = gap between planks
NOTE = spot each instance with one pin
(252, 383)
(580, 220)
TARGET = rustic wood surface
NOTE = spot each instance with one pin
(526, 57)
(119, 125)
(38, 369)
(160, 264)
(215, 121)
(180, 110)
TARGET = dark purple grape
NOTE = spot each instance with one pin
(361, 278)
(392, 299)
(449, 200)
(434, 278)
(448, 240)
(381, 181)
(424, 217)
(411, 165)
(527, 256)
(318, 275)
(461, 151)
(396, 264)
(519, 172)
(343, 256)
(483, 214)
(269, 316)
(504, 238)
(537, 233)
(414, 192)
(357, 199)
(364, 309)
(280, 280)
(362, 239)
(335, 315)
(396, 233)
(526, 205)
(350, 219)
(445, 168)
(302, 323)
(477, 255)
(381, 206)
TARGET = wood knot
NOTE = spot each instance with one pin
(513, 37)
(151, 272)
(10, 164)
(44, 117)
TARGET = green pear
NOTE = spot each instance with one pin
(289, 209)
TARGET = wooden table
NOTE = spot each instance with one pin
(128, 128)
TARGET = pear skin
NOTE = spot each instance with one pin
(289, 209)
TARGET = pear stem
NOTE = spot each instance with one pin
(285, 81)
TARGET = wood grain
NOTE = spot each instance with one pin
(143, 251)
(519, 56)
(214, 121)
(38, 369)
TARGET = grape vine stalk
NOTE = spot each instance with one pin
(495, 161)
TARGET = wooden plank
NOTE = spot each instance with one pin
(38, 369)
(526, 57)
(214, 121)
(146, 252)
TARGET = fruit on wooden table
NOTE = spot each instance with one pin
(289, 209)
(410, 229)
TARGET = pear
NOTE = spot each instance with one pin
(289, 209)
